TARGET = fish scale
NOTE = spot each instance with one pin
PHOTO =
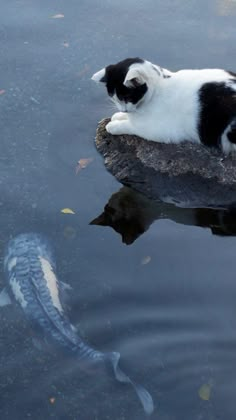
(30, 269)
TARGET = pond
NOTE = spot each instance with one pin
(150, 280)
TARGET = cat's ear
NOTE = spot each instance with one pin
(101, 220)
(100, 76)
(135, 77)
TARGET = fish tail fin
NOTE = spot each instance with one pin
(144, 396)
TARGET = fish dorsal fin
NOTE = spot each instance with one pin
(60, 322)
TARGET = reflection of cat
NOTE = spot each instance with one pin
(159, 105)
(128, 213)
(131, 214)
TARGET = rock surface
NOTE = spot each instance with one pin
(187, 174)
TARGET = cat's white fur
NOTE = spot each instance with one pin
(99, 75)
(169, 110)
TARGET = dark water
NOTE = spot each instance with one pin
(165, 296)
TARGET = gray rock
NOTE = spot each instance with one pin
(187, 174)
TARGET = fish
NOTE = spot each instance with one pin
(32, 284)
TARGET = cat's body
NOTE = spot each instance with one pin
(159, 105)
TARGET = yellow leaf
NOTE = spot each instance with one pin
(204, 392)
(67, 211)
(146, 260)
(58, 16)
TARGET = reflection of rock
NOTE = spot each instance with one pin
(130, 214)
(187, 174)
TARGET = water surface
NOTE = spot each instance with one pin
(154, 282)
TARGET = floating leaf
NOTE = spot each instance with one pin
(58, 16)
(69, 232)
(52, 400)
(67, 211)
(146, 260)
(204, 392)
(2, 91)
(82, 164)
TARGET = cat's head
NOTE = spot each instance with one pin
(130, 83)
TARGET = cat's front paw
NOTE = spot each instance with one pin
(114, 127)
(119, 116)
(119, 127)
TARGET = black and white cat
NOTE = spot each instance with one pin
(163, 106)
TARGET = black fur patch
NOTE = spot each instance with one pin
(218, 108)
(114, 78)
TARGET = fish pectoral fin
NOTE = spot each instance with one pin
(65, 286)
(5, 298)
(74, 328)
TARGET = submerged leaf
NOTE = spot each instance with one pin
(146, 260)
(58, 16)
(69, 232)
(82, 164)
(204, 392)
(67, 211)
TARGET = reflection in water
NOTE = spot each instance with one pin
(130, 214)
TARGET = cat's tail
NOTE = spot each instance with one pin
(142, 393)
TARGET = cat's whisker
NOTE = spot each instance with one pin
(110, 103)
